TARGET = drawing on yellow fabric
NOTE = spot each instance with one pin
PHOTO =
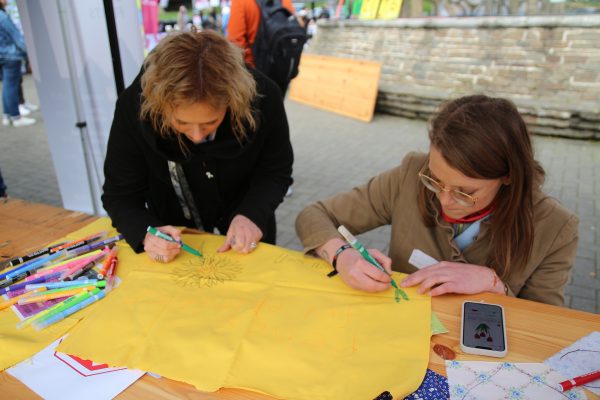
(289, 258)
(207, 271)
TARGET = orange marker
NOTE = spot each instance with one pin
(14, 300)
(83, 240)
(107, 263)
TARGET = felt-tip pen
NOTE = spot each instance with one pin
(363, 252)
(164, 236)
(579, 380)
(20, 260)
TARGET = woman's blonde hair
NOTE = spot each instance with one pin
(193, 67)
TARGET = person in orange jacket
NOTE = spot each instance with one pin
(244, 21)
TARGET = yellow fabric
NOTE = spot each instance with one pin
(270, 321)
(17, 345)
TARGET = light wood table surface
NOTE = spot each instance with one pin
(535, 331)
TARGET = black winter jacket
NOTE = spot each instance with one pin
(226, 177)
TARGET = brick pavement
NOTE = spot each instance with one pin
(335, 153)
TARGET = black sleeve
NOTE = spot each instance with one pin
(273, 173)
(126, 176)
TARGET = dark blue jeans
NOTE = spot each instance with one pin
(2, 186)
(11, 76)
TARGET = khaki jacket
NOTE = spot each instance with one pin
(391, 198)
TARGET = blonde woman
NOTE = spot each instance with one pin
(197, 140)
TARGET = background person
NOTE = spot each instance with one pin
(200, 141)
(242, 27)
(12, 53)
(474, 202)
(2, 186)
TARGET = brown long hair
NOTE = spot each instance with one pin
(486, 138)
(193, 67)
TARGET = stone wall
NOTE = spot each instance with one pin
(549, 66)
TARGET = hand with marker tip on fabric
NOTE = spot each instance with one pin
(243, 235)
(354, 270)
(161, 250)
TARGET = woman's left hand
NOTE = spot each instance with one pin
(242, 236)
(452, 277)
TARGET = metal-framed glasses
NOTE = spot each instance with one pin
(436, 186)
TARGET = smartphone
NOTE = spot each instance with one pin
(483, 329)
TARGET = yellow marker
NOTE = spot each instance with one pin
(56, 295)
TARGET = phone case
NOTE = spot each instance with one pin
(482, 352)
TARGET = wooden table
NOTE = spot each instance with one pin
(535, 330)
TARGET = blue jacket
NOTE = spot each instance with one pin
(12, 44)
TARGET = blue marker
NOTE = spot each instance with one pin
(34, 265)
(69, 311)
(22, 285)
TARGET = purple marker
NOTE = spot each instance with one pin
(41, 279)
(93, 246)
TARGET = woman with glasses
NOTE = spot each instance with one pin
(474, 203)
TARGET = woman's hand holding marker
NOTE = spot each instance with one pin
(162, 250)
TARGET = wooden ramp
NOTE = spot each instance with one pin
(342, 85)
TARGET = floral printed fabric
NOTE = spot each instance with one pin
(434, 387)
(470, 380)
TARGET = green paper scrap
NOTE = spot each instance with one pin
(436, 325)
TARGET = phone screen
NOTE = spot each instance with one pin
(483, 326)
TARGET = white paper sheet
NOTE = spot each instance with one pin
(54, 375)
(480, 380)
(420, 259)
(578, 359)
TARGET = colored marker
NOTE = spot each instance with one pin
(67, 292)
(69, 311)
(79, 242)
(112, 272)
(579, 380)
(91, 286)
(164, 236)
(15, 300)
(95, 246)
(107, 263)
(363, 252)
(58, 307)
(15, 279)
(75, 272)
(20, 260)
(58, 285)
(66, 264)
(22, 285)
(34, 265)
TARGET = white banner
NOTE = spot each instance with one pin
(69, 50)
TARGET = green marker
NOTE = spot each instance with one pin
(55, 308)
(164, 236)
(78, 299)
(363, 252)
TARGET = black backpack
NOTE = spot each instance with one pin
(278, 43)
